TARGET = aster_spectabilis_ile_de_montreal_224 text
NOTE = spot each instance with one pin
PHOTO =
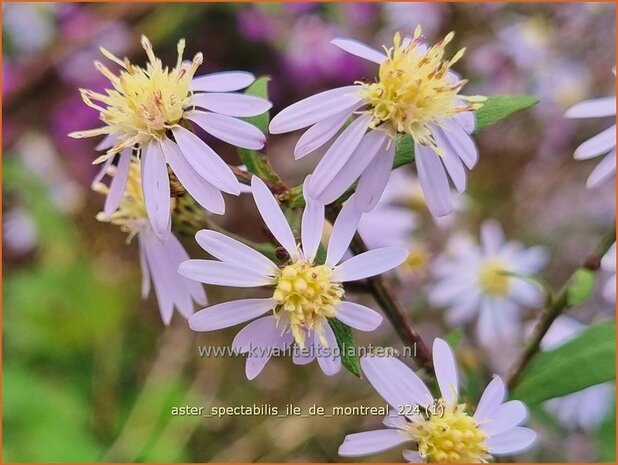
(416, 94)
(147, 114)
(306, 293)
(442, 429)
(159, 259)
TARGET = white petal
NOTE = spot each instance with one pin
(373, 181)
(446, 371)
(594, 108)
(230, 250)
(143, 262)
(492, 237)
(205, 161)
(328, 169)
(229, 314)
(371, 263)
(461, 143)
(433, 181)
(107, 142)
(343, 230)
(223, 274)
(603, 171)
(312, 225)
(226, 81)
(119, 183)
(156, 189)
(358, 316)
(508, 415)
(395, 382)
(514, 441)
(492, 397)
(359, 49)
(321, 132)
(454, 167)
(207, 195)
(315, 108)
(371, 442)
(466, 121)
(602, 143)
(229, 129)
(412, 456)
(366, 158)
(273, 216)
(232, 104)
(328, 357)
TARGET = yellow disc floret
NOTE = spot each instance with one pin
(449, 435)
(308, 296)
(416, 88)
(144, 102)
(493, 278)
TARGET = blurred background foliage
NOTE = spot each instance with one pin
(90, 373)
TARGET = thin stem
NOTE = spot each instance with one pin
(556, 307)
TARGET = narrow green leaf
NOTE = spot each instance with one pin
(454, 337)
(404, 153)
(585, 361)
(345, 341)
(256, 162)
(606, 438)
(498, 107)
(581, 286)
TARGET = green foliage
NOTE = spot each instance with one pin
(256, 162)
(345, 341)
(585, 361)
(494, 109)
(454, 337)
(606, 438)
(581, 286)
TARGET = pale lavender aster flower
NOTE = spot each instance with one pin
(159, 260)
(306, 294)
(147, 105)
(608, 263)
(441, 429)
(482, 280)
(416, 94)
(603, 144)
(587, 408)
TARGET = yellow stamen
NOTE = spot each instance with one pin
(493, 279)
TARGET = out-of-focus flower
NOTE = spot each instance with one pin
(584, 409)
(442, 429)
(482, 280)
(608, 263)
(255, 24)
(38, 19)
(399, 16)
(147, 104)
(417, 95)
(159, 260)
(19, 233)
(603, 144)
(306, 293)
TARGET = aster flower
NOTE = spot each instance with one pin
(603, 144)
(584, 409)
(482, 280)
(148, 106)
(442, 429)
(306, 294)
(415, 94)
(159, 260)
(608, 263)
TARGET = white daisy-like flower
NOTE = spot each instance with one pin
(147, 113)
(442, 429)
(306, 294)
(608, 263)
(415, 94)
(482, 280)
(603, 144)
(159, 260)
(585, 409)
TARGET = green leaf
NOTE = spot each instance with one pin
(345, 341)
(454, 337)
(256, 162)
(585, 361)
(494, 109)
(498, 107)
(606, 438)
(581, 286)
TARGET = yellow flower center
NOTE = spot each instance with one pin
(414, 89)
(493, 279)
(418, 259)
(308, 295)
(144, 102)
(449, 435)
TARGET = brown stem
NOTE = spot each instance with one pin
(555, 308)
